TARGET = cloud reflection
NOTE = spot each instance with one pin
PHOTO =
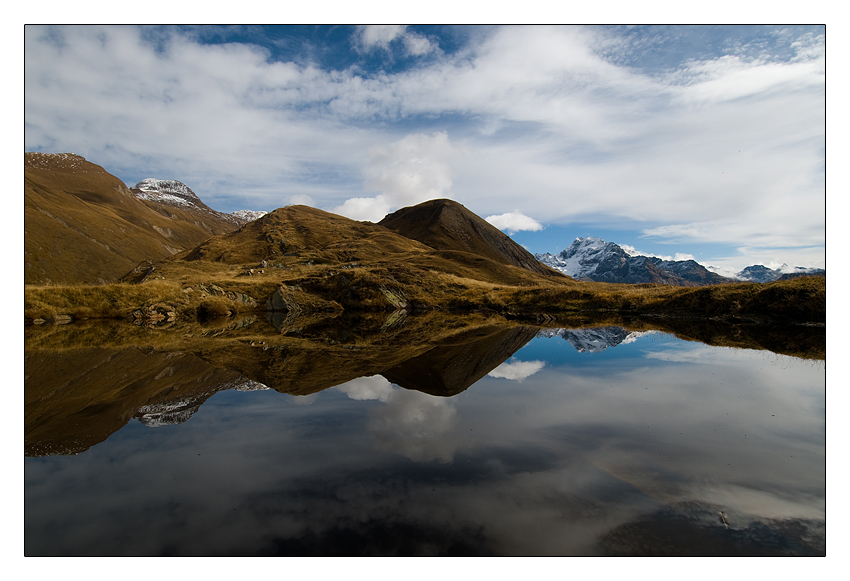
(517, 370)
(413, 424)
(635, 458)
(367, 388)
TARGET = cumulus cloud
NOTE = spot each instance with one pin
(379, 36)
(409, 171)
(375, 387)
(517, 370)
(515, 221)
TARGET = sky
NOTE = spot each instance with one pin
(703, 142)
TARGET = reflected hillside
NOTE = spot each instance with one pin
(453, 366)
(83, 382)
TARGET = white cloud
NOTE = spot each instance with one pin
(412, 170)
(418, 45)
(416, 425)
(368, 38)
(378, 35)
(364, 209)
(513, 222)
(375, 387)
(517, 370)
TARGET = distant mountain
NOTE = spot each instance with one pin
(594, 339)
(761, 273)
(596, 260)
(83, 225)
(446, 225)
(176, 200)
(249, 215)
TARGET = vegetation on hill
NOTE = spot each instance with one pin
(284, 263)
(83, 225)
(109, 255)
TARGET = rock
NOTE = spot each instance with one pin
(395, 298)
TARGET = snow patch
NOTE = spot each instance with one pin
(249, 215)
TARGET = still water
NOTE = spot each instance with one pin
(590, 441)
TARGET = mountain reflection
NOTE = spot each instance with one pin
(431, 436)
(77, 392)
(595, 339)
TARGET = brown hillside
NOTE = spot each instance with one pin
(82, 224)
(332, 262)
(448, 225)
(302, 233)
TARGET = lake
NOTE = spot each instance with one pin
(422, 438)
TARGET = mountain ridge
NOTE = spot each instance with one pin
(592, 259)
(83, 225)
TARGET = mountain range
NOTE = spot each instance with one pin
(173, 256)
(593, 259)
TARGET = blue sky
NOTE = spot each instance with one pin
(678, 141)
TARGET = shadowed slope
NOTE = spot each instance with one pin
(451, 367)
(82, 224)
(447, 225)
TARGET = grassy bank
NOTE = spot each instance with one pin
(381, 288)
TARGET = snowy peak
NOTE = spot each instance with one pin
(584, 256)
(171, 192)
(595, 339)
(169, 196)
(249, 215)
(596, 260)
(761, 273)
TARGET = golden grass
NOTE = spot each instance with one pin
(322, 287)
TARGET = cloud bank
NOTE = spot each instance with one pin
(686, 134)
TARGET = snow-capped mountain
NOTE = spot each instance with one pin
(171, 192)
(175, 193)
(594, 259)
(249, 215)
(595, 339)
(761, 273)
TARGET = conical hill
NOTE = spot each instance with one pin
(447, 225)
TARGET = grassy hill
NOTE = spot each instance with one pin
(84, 229)
(449, 226)
(83, 225)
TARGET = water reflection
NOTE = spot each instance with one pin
(518, 443)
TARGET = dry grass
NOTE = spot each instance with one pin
(100, 301)
(83, 224)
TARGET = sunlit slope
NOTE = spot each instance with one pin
(352, 264)
(301, 233)
(82, 224)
